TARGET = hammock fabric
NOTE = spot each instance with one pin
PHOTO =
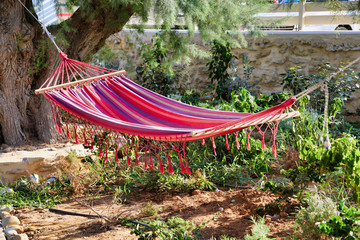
(107, 109)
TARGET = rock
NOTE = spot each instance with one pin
(10, 221)
(196, 192)
(6, 209)
(6, 190)
(4, 214)
(275, 217)
(50, 181)
(284, 214)
(22, 236)
(17, 228)
(30, 229)
(2, 236)
(3, 146)
(9, 234)
(228, 211)
(8, 149)
(243, 212)
(34, 178)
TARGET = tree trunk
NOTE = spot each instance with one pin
(16, 50)
(24, 116)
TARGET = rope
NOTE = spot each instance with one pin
(324, 87)
(51, 37)
(320, 84)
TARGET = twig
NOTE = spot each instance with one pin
(92, 209)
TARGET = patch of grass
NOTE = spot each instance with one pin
(174, 228)
(150, 209)
(28, 194)
(72, 156)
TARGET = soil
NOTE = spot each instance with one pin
(226, 211)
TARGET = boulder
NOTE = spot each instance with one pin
(10, 221)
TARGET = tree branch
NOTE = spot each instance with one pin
(89, 31)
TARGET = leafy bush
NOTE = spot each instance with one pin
(174, 228)
(153, 73)
(319, 208)
(219, 66)
(344, 226)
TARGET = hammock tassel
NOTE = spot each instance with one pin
(203, 142)
(263, 147)
(237, 140)
(181, 164)
(67, 131)
(150, 162)
(136, 159)
(145, 162)
(171, 170)
(85, 140)
(161, 168)
(128, 159)
(116, 155)
(248, 139)
(185, 159)
(106, 153)
(227, 142)
(274, 149)
(214, 146)
(92, 145)
(99, 147)
(76, 136)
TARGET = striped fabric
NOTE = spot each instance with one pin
(121, 105)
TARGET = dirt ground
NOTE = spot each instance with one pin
(226, 212)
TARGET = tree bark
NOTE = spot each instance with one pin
(24, 116)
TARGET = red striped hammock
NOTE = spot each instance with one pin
(104, 107)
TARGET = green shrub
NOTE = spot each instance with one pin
(259, 231)
(344, 226)
(319, 208)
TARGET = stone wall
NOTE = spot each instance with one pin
(271, 55)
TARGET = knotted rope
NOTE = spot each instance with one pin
(324, 87)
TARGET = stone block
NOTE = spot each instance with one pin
(10, 221)
(19, 229)
(22, 236)
(6, 209)
(4, 214)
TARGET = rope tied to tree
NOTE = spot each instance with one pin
(323, 85)
(50, 36)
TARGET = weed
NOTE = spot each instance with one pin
(72, 156)
(344, 226)
(150, 209)
(319, 208)
(259, 230)
(27, 194)
(174, 228)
